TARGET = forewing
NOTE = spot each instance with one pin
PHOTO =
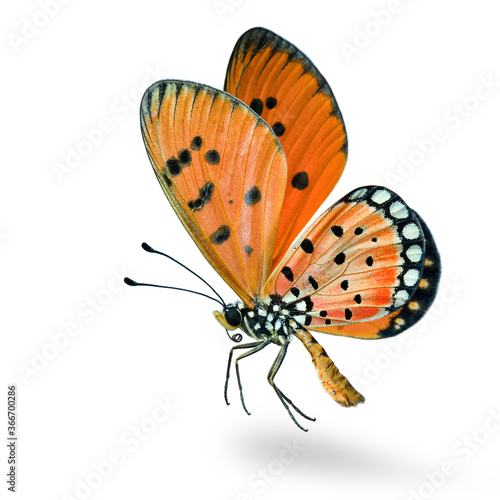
(361, 260)
(414, 310)
(282, 85)
(224, 173)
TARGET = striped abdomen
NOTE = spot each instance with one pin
(334, 383)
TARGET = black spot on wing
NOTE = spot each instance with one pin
(195, 205)
(257, 106)
(344, 285)
(337, 231)
(248, 250)
(278, 129)
(174, 166)
(313, 282)
(196, 143)
(339, 258)
(185, 157)
(253, 196)
(309, 303)
(300, 181)
(220, 235)
(307, 246)
(287, 273)
(212, 157)
(271, 102)
(205, 192)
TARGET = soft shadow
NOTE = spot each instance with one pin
(331, 454)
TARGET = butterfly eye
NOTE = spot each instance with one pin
(233, 316)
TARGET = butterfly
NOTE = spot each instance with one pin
(245, 169)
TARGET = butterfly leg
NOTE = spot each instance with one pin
(242, 346)
(284, 399)
(257, 346)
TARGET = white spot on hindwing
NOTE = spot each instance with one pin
(414, 253)
(411, 277)
(411, 231)
(399, 210)
(381, 196)
(400, 298)
(358, 194)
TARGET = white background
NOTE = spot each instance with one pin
(89, 424)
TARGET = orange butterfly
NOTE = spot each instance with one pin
(245, 170)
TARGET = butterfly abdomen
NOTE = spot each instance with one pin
(334, 383)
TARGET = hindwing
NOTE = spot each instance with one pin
(359, 261)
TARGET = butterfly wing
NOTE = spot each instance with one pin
(360, 261)
(224, 173)
(284, 87)
(405, 317)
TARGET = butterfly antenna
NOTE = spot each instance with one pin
(237, 337)
(131, 282)
(149, 249)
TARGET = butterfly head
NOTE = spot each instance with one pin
(230, 317)
(268, 320)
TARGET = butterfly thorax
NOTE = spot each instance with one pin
(270, 319)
